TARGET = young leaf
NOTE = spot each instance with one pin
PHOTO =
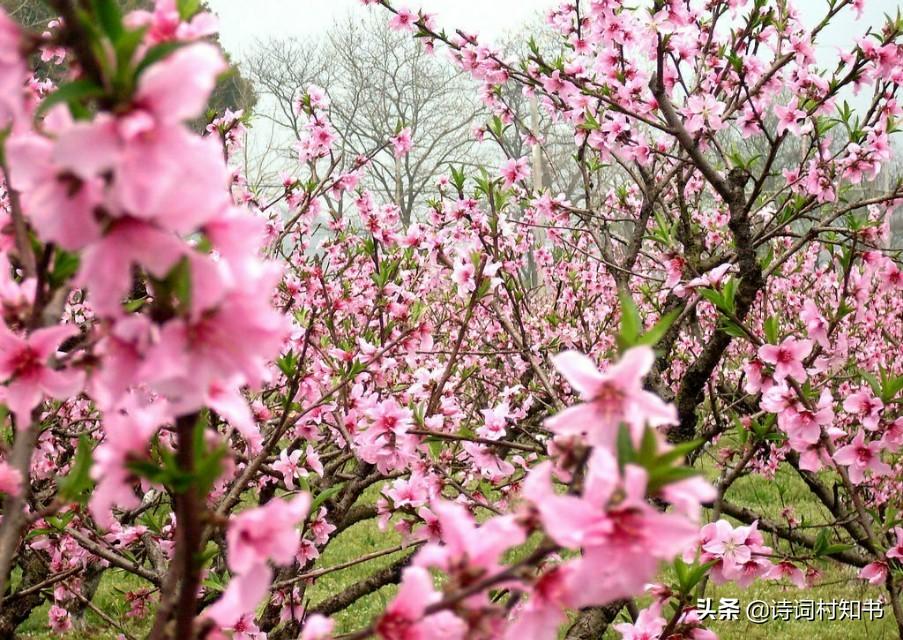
(771, 330)
(109, 15)
(659, 329)
(631, 324)
(75, 485)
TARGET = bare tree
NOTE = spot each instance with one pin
(378, 81)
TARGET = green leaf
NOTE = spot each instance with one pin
(648, 448)
(109, 16)
(178, 283)
(821, 542)
(187, 8)
(712, 296)
(324, 496)
(155, 54)
(890, 386)
(75, 486)
(836, 548)
(680, 570)
(631, 323)
(730, 293)
(732, 329)
(771, 330)
(209, 553)
(696, 574)
(149, 470)
(71, 93)
(680, 451)
(288, 364)
(659, 329)
(626, 452)
(60, 522)
(873, 382)
(65, 265)
(663, 476)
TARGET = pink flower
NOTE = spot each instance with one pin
(787, 570)
(739, 553)
(860, 456)
(464, 275)
(864, 404)
(541, 616)
(756, 378)
(317, 627)
(805, 425)
(177, 88)
(320, 528)
(403, 20)
(610, 397)
(891, 276)
(390, 417)
(47, 188)
(253, 538)
(405, 619)
(173, 178)
(649, 624)
(10, 480)
(875, 573)
(106, 264)
(713, 279)
(200, 353)
(480, 547)
(515, 170)
(23, 363)
(242, 595)
(12, 72)
(704, 110)
(402, 143)
(792, 118)
(689, 495)
(816, 325)
(729, 544)
(897, 550)
(288, 465)
(266, 533)
(622, 536)
(787, 358)
(127, 434)
(59, 619)
(494, 421)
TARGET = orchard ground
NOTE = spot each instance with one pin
(770, 498)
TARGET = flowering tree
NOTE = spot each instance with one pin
(206, 389)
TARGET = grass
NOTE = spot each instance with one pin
(769, 497)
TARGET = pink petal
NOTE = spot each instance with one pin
(633, 366)
(88, 149)
(580, 372)
(177, 89)
(242, 595)
(46, 341)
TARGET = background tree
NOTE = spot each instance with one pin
(378, 81)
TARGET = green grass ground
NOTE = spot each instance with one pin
(768, 496)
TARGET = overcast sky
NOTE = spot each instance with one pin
(245, 21)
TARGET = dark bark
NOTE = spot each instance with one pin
(375, 582)
(16, 608)
(592, 623)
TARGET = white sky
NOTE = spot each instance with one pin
(245, 21)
